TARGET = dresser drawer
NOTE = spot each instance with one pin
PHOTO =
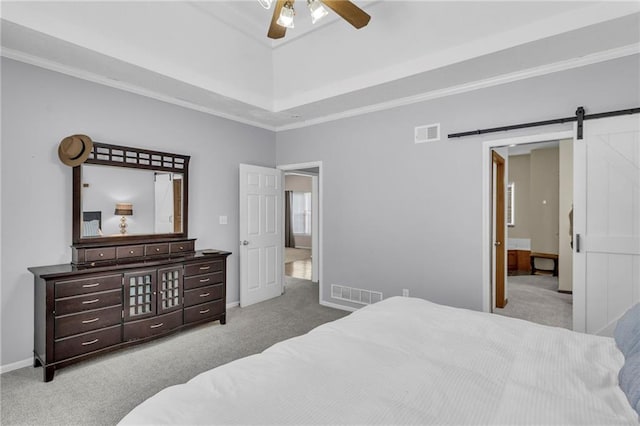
(87, 321)
(203, 311)
(203, 294)
(125, 252)
(150, 327)
(87, 285)
(203, 280)
(155, 249)
(185, 246)
(98, 254)
(75, 304)
(203, 268)
(87, 342)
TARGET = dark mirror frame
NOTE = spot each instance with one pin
(122, 156)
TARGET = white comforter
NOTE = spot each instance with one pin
(409, 361)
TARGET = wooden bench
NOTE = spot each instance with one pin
(551, 256)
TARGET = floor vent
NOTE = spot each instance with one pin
(355, 295)
(428, 133)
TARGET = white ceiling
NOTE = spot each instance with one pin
(214, 56)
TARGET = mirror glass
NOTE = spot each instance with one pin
(120, 201)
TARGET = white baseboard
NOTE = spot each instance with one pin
(16, 365)
(337, 306)
(303, 247)
(233, 304)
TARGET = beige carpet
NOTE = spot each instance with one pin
(293, 254)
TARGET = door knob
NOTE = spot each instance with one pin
(245, 242)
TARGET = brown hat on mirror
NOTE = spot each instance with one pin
(74, 150)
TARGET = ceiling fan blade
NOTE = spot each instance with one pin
(276, 31)
(349, 12)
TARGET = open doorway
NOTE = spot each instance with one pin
(538, 192)
(303, 245)
(298, 218)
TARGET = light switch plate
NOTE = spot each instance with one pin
(223, 220)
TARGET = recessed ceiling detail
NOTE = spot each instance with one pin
(214, 56)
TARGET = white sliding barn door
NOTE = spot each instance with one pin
(606, 222)
(261, 237)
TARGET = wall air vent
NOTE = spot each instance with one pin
(355, 295)
(428, 133)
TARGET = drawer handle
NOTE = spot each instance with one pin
(91, 320)
(204, 268)
(205, 280)
(91, 342)
(101, 254)
(88, 302)
(157, 249)
(131, 252)
(205, 311)
(156, 325)
(90, 285)
(204, 294)
(181, 248)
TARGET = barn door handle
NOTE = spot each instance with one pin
(577, 243)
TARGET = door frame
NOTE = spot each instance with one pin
(317, 260)
(499, 225)
(487, 167)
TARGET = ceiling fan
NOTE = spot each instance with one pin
(283, 14)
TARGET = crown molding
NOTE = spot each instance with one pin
(632, 49)
(594, 58)
(96, 78)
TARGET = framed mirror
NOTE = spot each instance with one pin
(123, 194)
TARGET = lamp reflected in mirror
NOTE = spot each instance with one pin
(124, 210)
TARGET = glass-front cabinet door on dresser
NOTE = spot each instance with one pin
(152, 292)
(169, 289)
(140, 294)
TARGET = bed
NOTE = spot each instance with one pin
(91, 223)
(409, 361)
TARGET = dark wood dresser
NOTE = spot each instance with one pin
(115, 296)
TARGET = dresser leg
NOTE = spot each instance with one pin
(48, 373)
(223, 320)
(36, 362)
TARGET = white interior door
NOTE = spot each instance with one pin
(261, 236)
(163, 203)
(606, 222)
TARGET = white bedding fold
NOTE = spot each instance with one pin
(409, 361)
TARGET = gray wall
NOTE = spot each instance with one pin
(41, 107)
(544, 198)
(396, 215)
(400, 215)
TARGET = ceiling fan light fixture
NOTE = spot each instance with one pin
(286, 16)
(317, 10)
(265, 3)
